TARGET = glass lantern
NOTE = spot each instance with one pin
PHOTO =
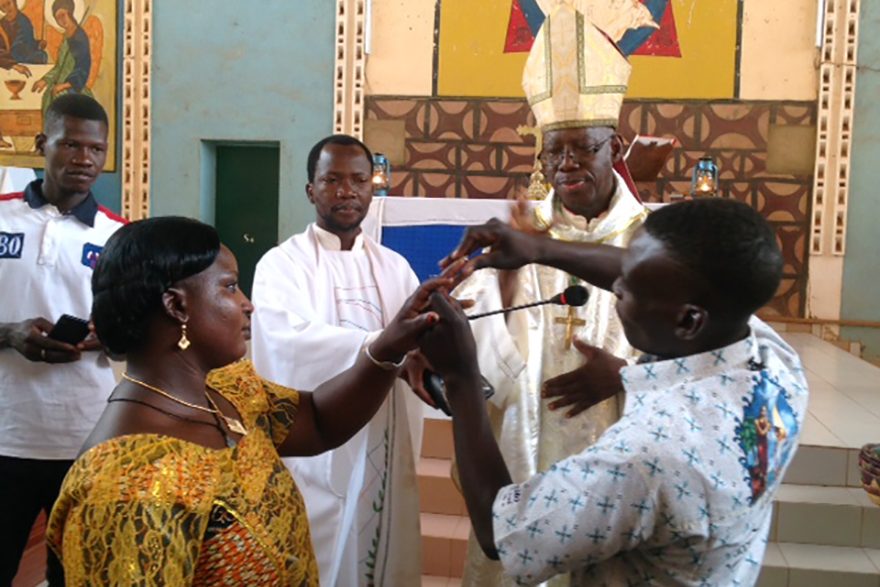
(705, 180)
(381, 175)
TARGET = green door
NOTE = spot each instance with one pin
(246, 212)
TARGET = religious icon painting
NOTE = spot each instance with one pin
(49, 48)
(765, 434)
(679, 49)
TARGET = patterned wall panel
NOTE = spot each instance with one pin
(471, 148)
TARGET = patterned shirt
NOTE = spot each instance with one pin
(680, 490)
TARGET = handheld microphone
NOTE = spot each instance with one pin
(574, 295)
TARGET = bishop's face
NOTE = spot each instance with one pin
(578, 164)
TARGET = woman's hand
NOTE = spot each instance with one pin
(403, 332)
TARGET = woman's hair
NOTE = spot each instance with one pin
(139, 262)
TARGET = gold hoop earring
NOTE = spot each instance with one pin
(183, 343)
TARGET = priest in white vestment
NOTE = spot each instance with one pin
(575, 79)
(318, 297)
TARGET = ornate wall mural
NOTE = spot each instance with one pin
(49, 48)
(680, 49)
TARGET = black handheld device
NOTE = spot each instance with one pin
(70, 329)
(436, 388)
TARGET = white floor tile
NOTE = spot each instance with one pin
(874, 555)
(844, 402)
(773, 556)
(817, 434)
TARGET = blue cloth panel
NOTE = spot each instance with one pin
(423, 246)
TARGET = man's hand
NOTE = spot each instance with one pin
(414, 374)
(509, 248)
(595, 381)
(39, 86)
(402, 334)
(30, 340)
(449, 345)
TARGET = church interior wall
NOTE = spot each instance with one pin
(861, 272)
(238, 75)
(466, 146)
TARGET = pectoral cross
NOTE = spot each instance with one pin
(570, 322)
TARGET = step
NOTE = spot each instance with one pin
(437, 492)
(444, 544)
(437, 439)
(825, 466)
(809, 565)
(832, 516)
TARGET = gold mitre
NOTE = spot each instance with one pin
(575, 75)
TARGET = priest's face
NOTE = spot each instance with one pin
(578, 164)
(343, 189)
(655, 299)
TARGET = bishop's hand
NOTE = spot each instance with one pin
(595, 381)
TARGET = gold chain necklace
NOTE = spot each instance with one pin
(233, 424)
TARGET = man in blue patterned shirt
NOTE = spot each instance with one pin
(680, 490)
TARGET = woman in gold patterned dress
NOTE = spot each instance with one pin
(180, 483)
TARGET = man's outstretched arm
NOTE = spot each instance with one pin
(510, 248)
(450, 348)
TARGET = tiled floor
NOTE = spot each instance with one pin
(844, 409)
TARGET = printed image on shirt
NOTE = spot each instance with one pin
(766, 434)
(11, 244)
(90, 254)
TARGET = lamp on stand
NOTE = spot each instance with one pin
(705, 179)
(381, 175)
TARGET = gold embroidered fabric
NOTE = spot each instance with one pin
(147, 509)
(575, 76)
